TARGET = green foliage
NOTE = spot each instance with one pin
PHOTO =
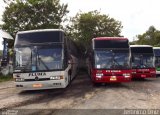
(132, 43)
(1, 52)
(150, 37)
(6, 78)
(33, 14)
(86, 26)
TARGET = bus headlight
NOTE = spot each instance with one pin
(99, 75)
(56, 77)
(19, 79)
(16, 75)
(126, 75)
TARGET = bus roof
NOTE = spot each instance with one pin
(156, 47)
(156, 51)
(110, 42)
(141, 49)
(110, 38)
(39, 30)
(140, 46)
(39, 36)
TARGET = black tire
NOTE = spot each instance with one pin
(69, 76)
(69, 80)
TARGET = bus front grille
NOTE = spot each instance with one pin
(40, 79)
(112, 74)
(143, 72)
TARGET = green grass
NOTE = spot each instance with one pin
(6, 78)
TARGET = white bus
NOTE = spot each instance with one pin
(44, 59)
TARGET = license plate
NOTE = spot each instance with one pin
(37, 85)
(113, 78)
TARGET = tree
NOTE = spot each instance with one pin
(85, 26)
(150, 37)
(8, 1)
(33, 14)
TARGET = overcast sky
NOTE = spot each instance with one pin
(136, 15)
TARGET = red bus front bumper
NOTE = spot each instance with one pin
(143, 73)
(107, 79)
(106, 76)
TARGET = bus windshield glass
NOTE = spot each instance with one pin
(142, 61)
(38, 58)
(157, 58)
(112, 59)
(38, 37)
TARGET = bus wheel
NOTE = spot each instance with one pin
(69, 78)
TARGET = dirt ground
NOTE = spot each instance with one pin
(81, 94)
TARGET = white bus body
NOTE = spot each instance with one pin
(35, 66)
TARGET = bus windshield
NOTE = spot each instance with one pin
(142, 61)
(157, 58)
(157, 62)
(38, 58)
(112, 59)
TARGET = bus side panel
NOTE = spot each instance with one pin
(74, 66)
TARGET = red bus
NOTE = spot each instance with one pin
(143, 65)
(109, 60)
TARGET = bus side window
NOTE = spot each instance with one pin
(65, 60)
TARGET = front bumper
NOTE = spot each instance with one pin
(37, 85)
(143, 75)
(109, 79)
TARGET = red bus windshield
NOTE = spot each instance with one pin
(112, 59)
(142, 61)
